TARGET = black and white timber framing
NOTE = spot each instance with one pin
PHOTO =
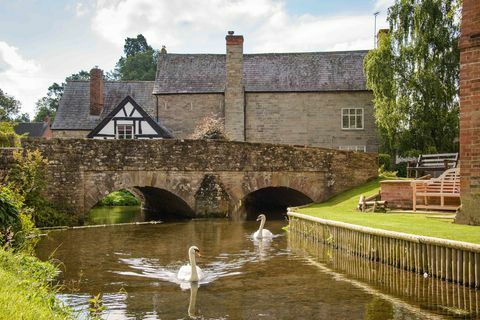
(128, 120)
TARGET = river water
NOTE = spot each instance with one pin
(134, 268)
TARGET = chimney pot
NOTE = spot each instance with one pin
(96, 91)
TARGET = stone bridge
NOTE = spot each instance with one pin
(196, 178)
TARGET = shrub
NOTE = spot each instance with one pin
(210, 127)
(27, 179)
(385, 161)
(401, 169)
(8, 137)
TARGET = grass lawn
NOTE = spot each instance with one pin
(342, 208)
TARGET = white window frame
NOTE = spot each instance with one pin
(356, 148)
(355, 115)
(132, 136)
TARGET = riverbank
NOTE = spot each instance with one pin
(26, 291)
(343, 208)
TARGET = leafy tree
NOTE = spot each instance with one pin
(136, 45)
(9, 107)
(139, 62)
(414, 76)
(48, 105)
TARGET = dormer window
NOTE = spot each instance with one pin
(124, 131)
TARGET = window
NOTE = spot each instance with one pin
(352, 118)
(354, 148)
(124, 131)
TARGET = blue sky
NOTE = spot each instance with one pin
(42, 41)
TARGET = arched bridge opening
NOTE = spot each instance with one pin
(273, 202)
(161, 204)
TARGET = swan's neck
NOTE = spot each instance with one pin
(193, 265)
(260, 229)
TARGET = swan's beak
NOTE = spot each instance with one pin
(198, 253)
(258, 219)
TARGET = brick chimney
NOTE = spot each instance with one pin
(96, 91)
(470, 113)
(234, 88)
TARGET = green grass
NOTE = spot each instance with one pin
(25, 290)
(343, 208)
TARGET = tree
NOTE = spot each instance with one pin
(414, 76)
(139, 62)
(9, 107)
(48, 105)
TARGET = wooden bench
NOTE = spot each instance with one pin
(445, 187)
(432, 163)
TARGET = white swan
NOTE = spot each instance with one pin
(191, 272)
(262, 233)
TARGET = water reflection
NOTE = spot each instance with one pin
(412, 291)
(192, 304)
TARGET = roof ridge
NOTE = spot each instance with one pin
(272, 53)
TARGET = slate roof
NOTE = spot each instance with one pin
(74, 110)
(271, 72)
(33, 129)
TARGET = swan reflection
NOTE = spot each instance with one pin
(192, 305)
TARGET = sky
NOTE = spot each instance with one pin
(44, 41)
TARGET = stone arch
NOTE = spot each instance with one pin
(307, 188)
(271, 201)
(164, 185)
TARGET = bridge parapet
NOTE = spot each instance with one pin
(82, 171)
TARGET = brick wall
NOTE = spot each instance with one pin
(470, 113)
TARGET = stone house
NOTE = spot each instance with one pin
(310, 98)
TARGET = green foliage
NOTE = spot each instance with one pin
(210, 127)
(27, 178)
(9, 107)
(414, 76)
(136, 45)
(401, 169)
(96, 307)
(139, 62)
(384, 161)
(119, 198)
(26, 291)
(8, 137)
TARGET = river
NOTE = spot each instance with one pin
(134, 268)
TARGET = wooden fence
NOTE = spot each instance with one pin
(454, 261)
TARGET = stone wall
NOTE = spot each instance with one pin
(312, 119)
(181, 113)
(234, 89)
(70, 133)
(82, 171)
(470, 113)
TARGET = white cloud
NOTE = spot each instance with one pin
(194, 26)
(20, 77)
